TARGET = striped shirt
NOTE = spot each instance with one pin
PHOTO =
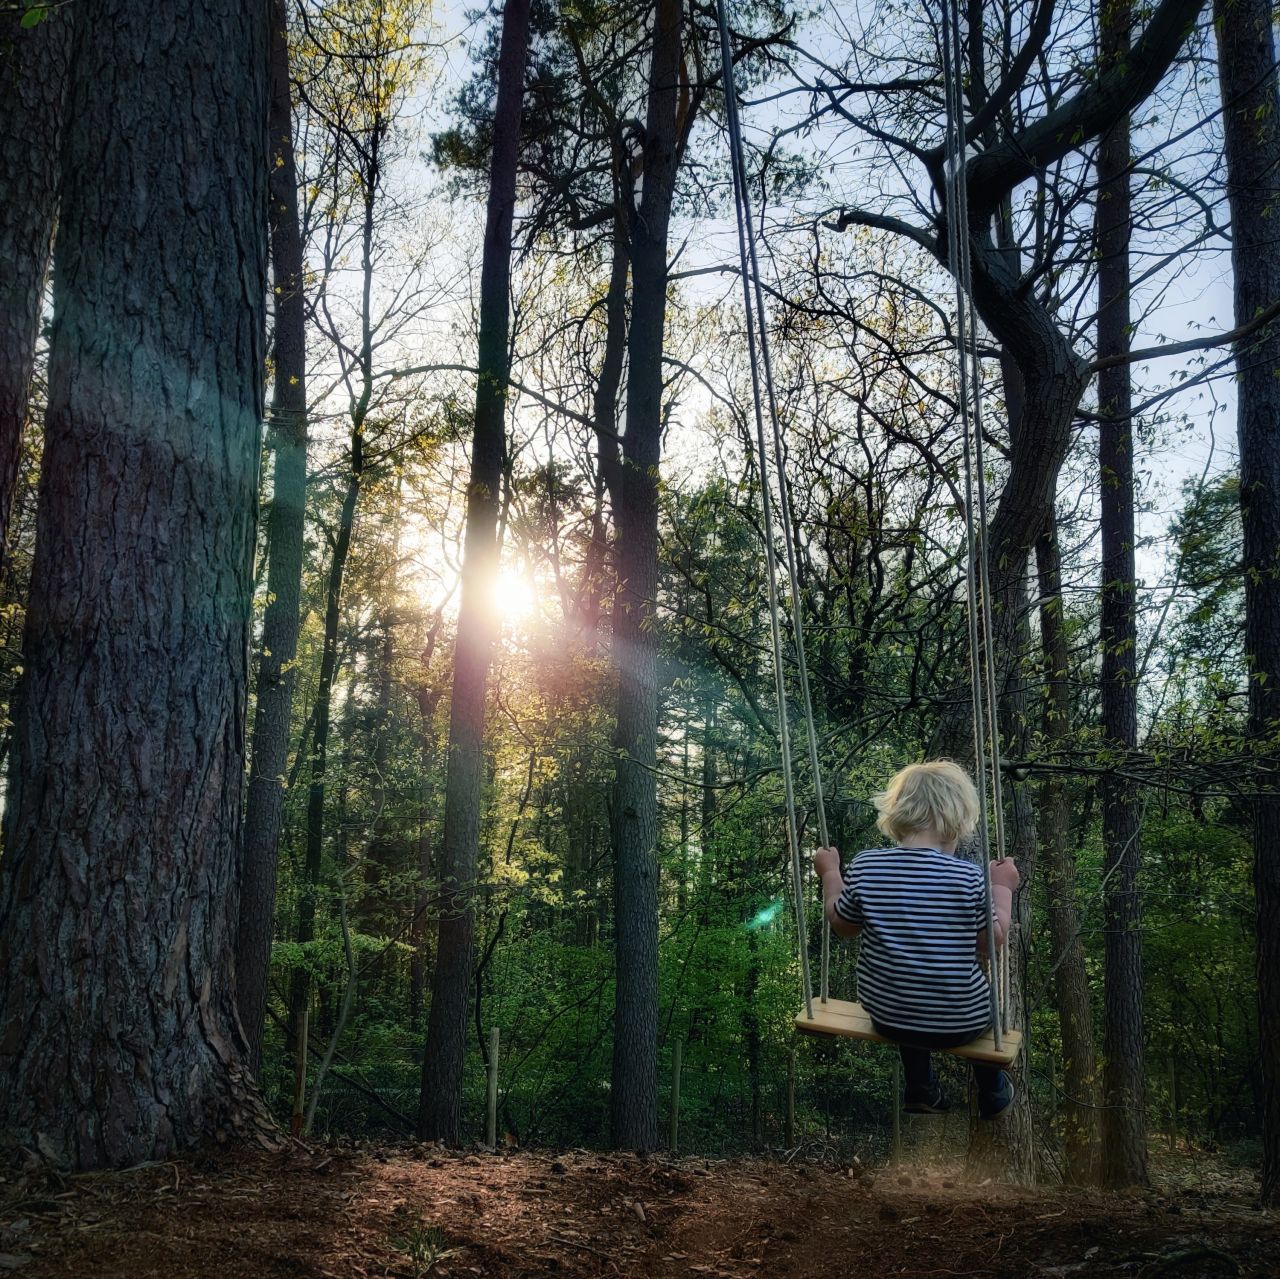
(920, 912)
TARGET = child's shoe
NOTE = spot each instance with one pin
(933, 1102)
(993, 1104)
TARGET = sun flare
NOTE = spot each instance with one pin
(514, 599)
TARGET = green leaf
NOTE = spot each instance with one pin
(33, 15)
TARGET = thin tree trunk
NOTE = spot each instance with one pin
(608, 461)
(440, 1100)
(429, 694)
(1251, 126)
(1007, 1148)
(1124, 1147)
(119, 1040)
(634, 1096)
(370, 177)
(1070, 976)
(751, 1033)
(33, 81)
(385, 853)
(287, 437)
(318, 757)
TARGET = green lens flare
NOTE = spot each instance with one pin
(765, 916)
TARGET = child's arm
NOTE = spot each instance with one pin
(1004, 879)
(826, 861)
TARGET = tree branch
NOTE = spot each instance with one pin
(991, 175)
(883, 222)
(1259, 321)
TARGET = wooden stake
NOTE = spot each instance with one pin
(790, 1136)
(677, 1063)
(1173, 1104)
(897, 1109)
(300, 1075)
(491, 1108)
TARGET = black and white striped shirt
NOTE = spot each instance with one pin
(920, 912)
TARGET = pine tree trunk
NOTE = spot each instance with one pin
(440, 1099)
(33, 80)
(1070, 976)
(635, 639)
(287, 438)
(1124, 1146)
(1251, 126)
(119, 1040)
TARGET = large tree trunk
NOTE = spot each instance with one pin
(33, 79)
(287, 438)
(119, 1040)
(1070, 976)
(1251, 125)
(635, 636)
(440, 1101)
(1124, 1146)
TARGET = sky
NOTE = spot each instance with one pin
(1199, 300)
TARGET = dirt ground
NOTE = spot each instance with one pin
(410, 1212)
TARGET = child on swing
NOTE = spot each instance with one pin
(922, 915)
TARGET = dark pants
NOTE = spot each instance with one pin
(917, 1070)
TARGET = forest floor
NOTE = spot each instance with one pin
(413, 1212)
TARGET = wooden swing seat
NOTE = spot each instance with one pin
(850, 1020)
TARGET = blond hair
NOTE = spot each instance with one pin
(937, 794)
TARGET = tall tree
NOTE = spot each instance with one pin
(33, 80)
(440, 1100)
(1251, 125)
(635, 638)
(119, 1040)
(1124, 1144)
(287, 439)
(1067, 956)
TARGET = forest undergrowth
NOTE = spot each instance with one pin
(412, 1211)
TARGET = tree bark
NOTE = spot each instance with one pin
(119, 1040)
(440, 1100)
(1124, 1145)
(287, 438)
(634, 1100)
(1070, 976)
(1251, 127)
(33, 80)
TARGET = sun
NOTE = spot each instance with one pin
(514, 599)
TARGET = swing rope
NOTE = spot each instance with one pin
(757, 338)
(982, 678)
(982, 674)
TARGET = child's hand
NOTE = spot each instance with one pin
(1004, 874)
(825, 860)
